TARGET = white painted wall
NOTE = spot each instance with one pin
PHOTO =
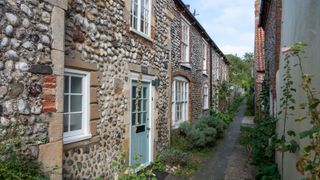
(301, 22)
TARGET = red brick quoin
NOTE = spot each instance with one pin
(49, 97)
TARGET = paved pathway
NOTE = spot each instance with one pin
(229, 161)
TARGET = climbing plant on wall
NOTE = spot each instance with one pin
(309, 163)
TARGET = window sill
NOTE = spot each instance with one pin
(74, 139)
(141, 34)
(177, 124)
(187, 65)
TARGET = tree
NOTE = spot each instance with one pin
(240, 70)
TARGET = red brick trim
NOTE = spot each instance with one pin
(183, 74)
(49, 97)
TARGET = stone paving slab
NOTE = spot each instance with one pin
(248, 120)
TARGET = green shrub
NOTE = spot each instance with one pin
(261, 141)
(212, 122)
(13, 165)
(194, 136)
(268, 172)
(226, 118)
(250, 105)
(174, 157)
(200, 134)
(179, 141)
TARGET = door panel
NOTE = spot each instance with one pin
(140, 102)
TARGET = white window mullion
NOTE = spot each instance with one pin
(187, 108)
(69, 104)
(83, 119)
(174, 103)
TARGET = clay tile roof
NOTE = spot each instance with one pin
(259, 50)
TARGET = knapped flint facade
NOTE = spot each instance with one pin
(270, 22)
(72, 74)
(120, 53)
(202, 61)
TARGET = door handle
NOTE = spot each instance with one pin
(148, 129)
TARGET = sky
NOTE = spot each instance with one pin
(230, 23)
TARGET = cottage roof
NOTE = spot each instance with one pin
(204, 33)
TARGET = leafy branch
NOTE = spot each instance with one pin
(309, 163)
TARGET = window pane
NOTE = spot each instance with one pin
(140, 105)
(144, 92)
(133, 118)
(135, 14)
(185, 53)
(145, 105)
(134, 92)
(142, 26)
(65, 122)
(76, 85)
(146, 28)
(76, 103)
(75, 122)
(139, 118)
(144, 118)
(66, 84)
(186, 93)
(135, 23)
(66, 103)
(133, 105)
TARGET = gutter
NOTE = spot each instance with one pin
(262, 14)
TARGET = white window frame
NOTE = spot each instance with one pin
(139, 11)
(205, 57)
(205, 97)
(84, 132)
(185, 101)
(185, 40)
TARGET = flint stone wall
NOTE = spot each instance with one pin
(99, 32)
(195, 72)
(25, 45)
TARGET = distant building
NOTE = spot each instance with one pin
(259, 59)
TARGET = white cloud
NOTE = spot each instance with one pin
(230, 23)
(239, 50)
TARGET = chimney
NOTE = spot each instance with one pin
(188, 6)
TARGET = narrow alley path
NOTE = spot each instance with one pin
(229, 160)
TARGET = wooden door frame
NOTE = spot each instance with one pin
(145, 79)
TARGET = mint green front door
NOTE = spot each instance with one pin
(140, 111)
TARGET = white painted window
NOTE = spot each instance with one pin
(205, 97)
(180, 101)
(140, 16)
(76, 106)
(205, 58)
(185, 43)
